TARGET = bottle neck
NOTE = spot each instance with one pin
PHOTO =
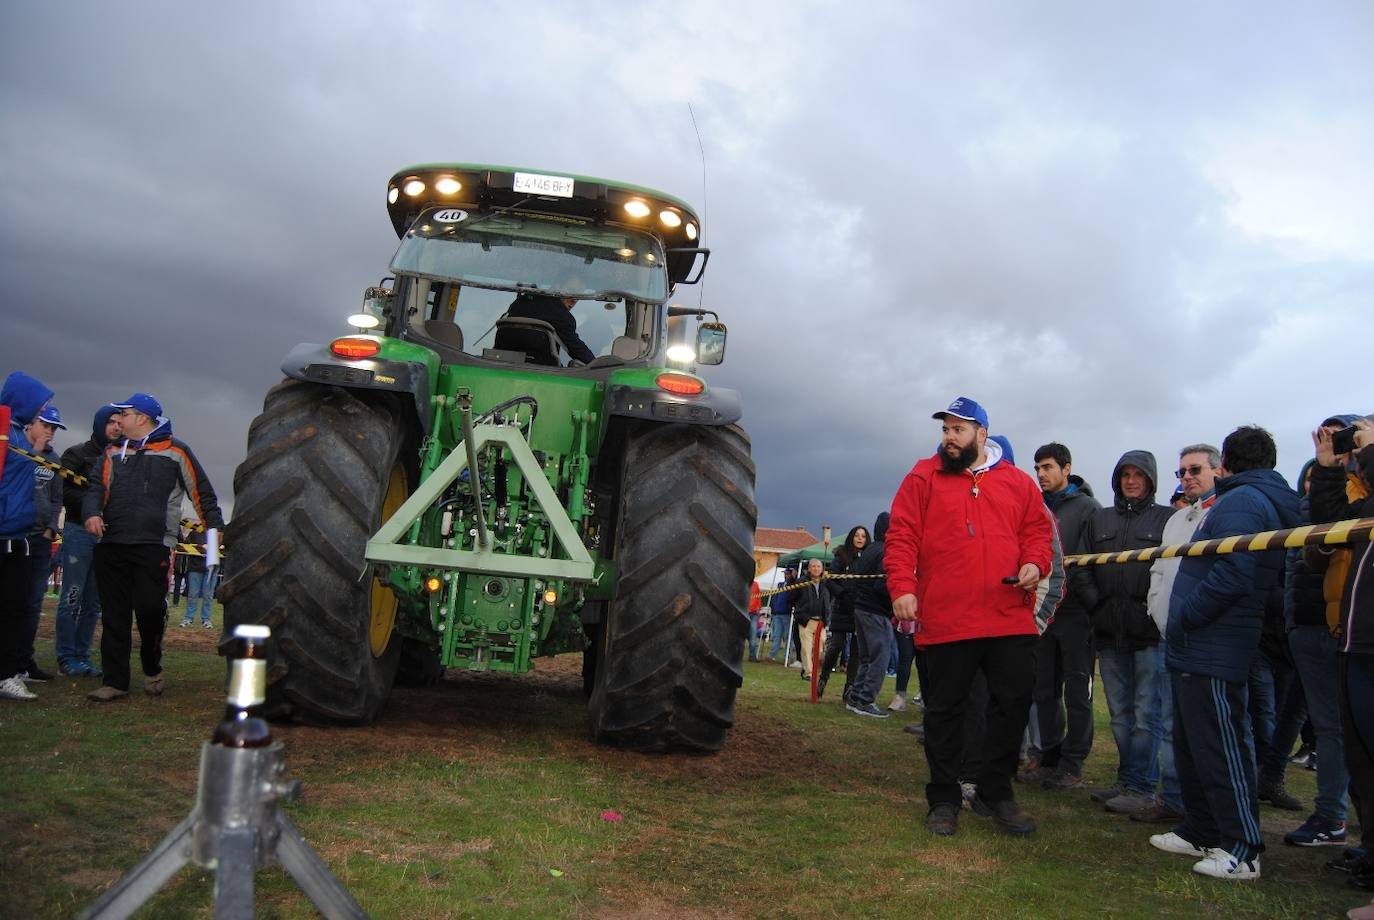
(247, 683)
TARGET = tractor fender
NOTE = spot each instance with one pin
(715, 407)
(317, 364)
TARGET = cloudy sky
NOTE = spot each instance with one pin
(1116, 226)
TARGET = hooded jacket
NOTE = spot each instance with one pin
(870, 594)
(140, 486)
(842, 590)
(1117, 594)
(1073, 508)
(953, 537)
(1330, 502)
(26, 396)
(82, 460)
(1216, 610)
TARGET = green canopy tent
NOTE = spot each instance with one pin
(814, 551)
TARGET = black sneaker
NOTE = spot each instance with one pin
(943, 820)
(1353, 860)
(867, 709)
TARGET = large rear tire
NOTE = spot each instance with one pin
(324, 468)
(671, 652)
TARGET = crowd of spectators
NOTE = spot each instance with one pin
(107, 512)
(1212, 666)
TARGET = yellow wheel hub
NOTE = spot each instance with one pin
(383, 599)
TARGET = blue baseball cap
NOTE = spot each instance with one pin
(142, 402)
(52, 417)
(966, 409)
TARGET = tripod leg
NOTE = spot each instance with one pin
(238, 863)
(325, 891)
(142, 881)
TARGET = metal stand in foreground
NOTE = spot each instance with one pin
(235, 829)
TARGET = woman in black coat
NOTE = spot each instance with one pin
(842, 609)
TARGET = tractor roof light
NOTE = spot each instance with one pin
(681, 384)
(364, 321)
(447, 185)
(413, 187)
(392, 195)
(636, 208)
(681, 354)
(670, 218)
(356, 346)
(691, 230)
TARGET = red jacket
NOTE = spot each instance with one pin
(952, 548)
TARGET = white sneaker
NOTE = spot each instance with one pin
(898, 703)
(797, 664)
(12, 688)
(1220, 864)
(1173, 843)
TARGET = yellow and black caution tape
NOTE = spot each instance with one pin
(194, 526)
(1336, 533)
(195, 549)
(802, 584)
(72, 476)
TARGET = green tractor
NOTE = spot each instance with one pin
(454, 487)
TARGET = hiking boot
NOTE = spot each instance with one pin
(1006, 813)
(1059, 780)
(898, 703)
(1173, 843)
(1158, 813)
(105, 693)
(12, 688)
(1220, 864)
(1033, 775)
(867, 710)
(943, 820)
(153, 685)
(1128, 803)
(1275, 794)
(1317, 831)
(1103, 794)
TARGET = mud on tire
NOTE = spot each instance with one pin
(671, 656)
(308, 496)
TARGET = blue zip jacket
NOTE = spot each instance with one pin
(26, 396)
(1216, 611)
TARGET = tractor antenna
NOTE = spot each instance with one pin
(701, 291)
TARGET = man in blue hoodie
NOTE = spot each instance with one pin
(1216, 611)
(78, 608)
(134, 507)
(25, 397)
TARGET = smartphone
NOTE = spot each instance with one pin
(1343, 441)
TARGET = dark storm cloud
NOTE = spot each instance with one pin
(1036, 207)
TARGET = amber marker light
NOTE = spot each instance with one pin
(681, 384)
(551, 596)
(433, 584)
(355, 347)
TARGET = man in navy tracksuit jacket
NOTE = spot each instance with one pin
(1216, 612)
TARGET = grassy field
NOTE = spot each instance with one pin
(482, 797)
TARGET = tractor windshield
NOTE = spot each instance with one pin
(524, 251)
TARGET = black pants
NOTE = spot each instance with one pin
(133, 586)
(1357, 719)
(1214, 752)
(16, 576)
(1007, 664)
(1064, 693)
(834, 645)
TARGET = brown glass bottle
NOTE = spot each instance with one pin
(243, 725)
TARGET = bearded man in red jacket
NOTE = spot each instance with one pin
(968, 543)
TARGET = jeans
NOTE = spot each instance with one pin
(754, 633)
(1132, 682)
(872, 631)
(1314, 657)
(1170, 792)
(906, 654)
(200, 589)
(782, 629)
(40, 567)
(78, 608)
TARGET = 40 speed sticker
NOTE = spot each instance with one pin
(451, 216)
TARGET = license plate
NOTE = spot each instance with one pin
(535, 184)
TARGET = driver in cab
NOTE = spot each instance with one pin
(557, 312)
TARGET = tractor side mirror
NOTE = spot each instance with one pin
(710, 343)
